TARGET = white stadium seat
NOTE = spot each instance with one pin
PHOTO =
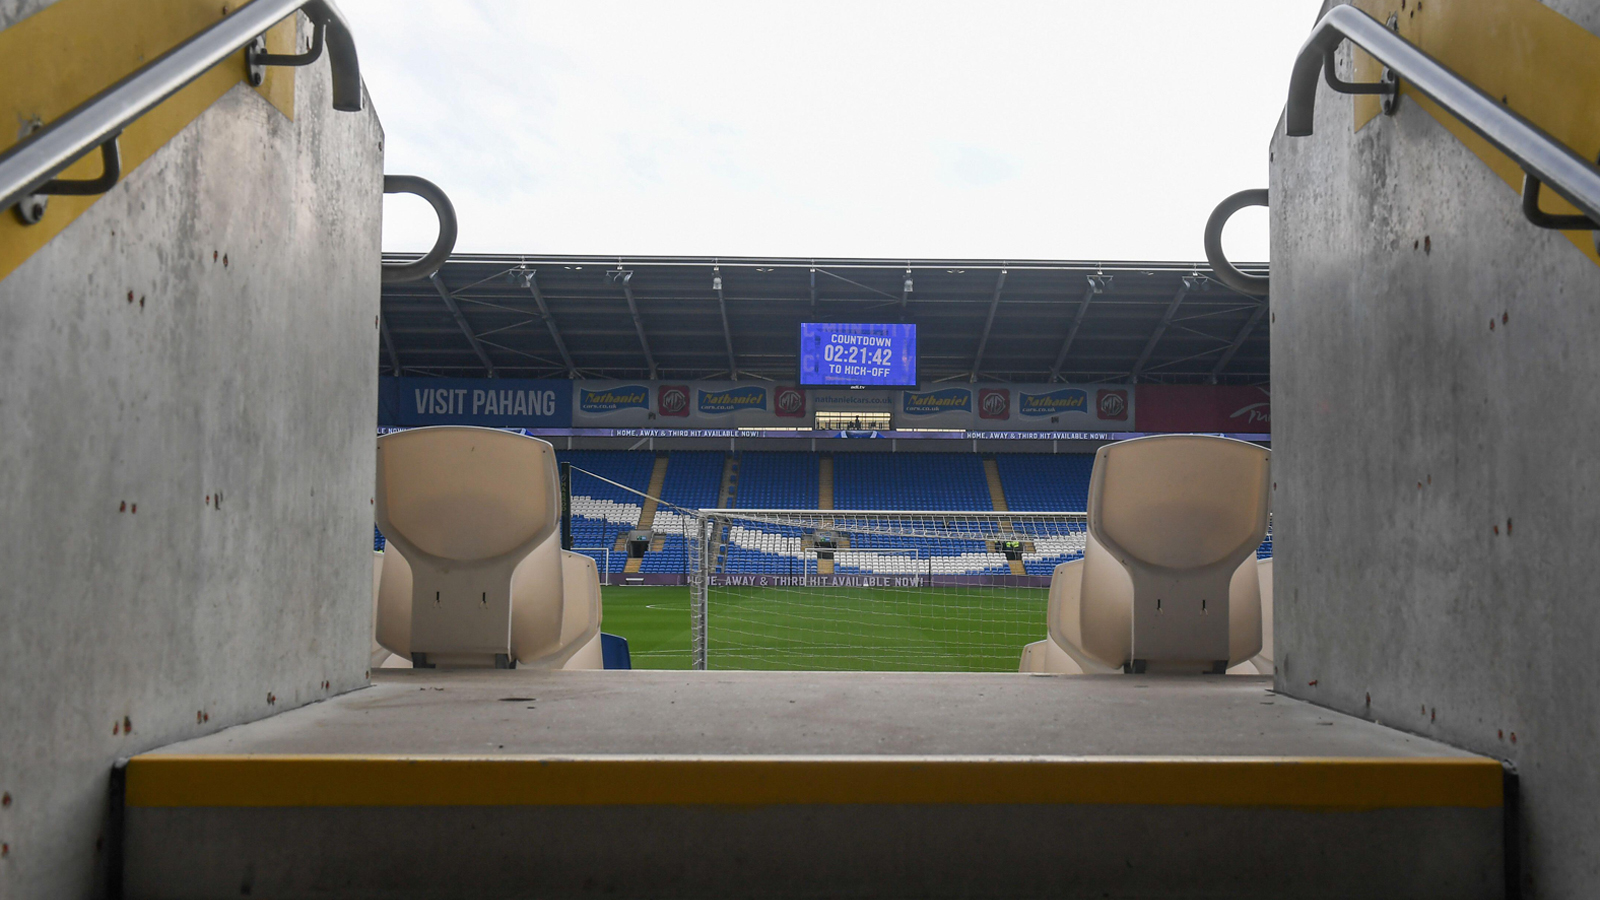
(1265, 661)
(1169, 580)
(477, 579)
(580, 619)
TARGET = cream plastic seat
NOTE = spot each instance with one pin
(1265, 662)
(580, 618)
(1169, 579)
(478, 579)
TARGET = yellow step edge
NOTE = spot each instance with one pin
(1309, 783)
(71, 50)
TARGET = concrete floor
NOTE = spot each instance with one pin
(646, 712)
(788, 784)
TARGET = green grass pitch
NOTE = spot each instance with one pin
(927, 630)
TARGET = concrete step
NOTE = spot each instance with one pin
(825, 483)
(997, 493)
(730, 482)
(668, 784)
(658, 479)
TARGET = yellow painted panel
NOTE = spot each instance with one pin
(1542, 64)
(71, 50)
(1301, 783)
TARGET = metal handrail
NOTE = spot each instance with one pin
(1543, 159)
(1225, 271)
(35, 160)
(420, 269)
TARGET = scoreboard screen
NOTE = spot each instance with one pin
(857, 355)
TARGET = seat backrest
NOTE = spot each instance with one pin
(466, 507)
(1179, 514)
(574, 610)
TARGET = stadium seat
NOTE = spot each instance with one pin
(477, 580)
(1265, 662)
(580, 617)
(1047, 658)
(1169, 579)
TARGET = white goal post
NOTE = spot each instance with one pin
(891, 590)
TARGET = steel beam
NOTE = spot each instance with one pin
(388, 344)
(530, 280)
(623, 277)
(1189, 283)
(994, 305)
(461, 322)
(1238, 341)
(727, 335)
(1097, 285)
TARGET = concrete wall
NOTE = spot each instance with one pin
(243, 367)
(1437, 481)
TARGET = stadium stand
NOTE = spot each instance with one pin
(1043, 482)
(600, 511)
(693, 479)
(1032, 482)
(944, 481)
(777, 480)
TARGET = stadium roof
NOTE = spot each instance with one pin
(665, 317)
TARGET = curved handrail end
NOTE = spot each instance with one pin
(1227, 272)
(422, 268)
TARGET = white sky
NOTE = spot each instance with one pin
(1068, 129)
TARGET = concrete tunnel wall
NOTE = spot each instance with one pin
(1437, 482)
(248, 377)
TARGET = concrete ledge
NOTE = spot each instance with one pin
(785, 784)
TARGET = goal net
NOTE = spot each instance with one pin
(872, 590)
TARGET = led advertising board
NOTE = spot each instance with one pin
(858, 355)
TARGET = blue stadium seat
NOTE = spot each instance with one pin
(602, 511)
(694, 478)
(942, 481)
(1045, 482)
(778, 480)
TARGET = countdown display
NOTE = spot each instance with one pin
(857, 355)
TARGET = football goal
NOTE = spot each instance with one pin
(872, 590)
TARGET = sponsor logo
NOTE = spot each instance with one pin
(733, 400)
(994, 403)
(1254, 414)
(1112, 404)
(929, 403)
(672, 400)
(629, 396)
(789, 402)
(1053, 403)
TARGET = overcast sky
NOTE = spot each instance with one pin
(1062, 130)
